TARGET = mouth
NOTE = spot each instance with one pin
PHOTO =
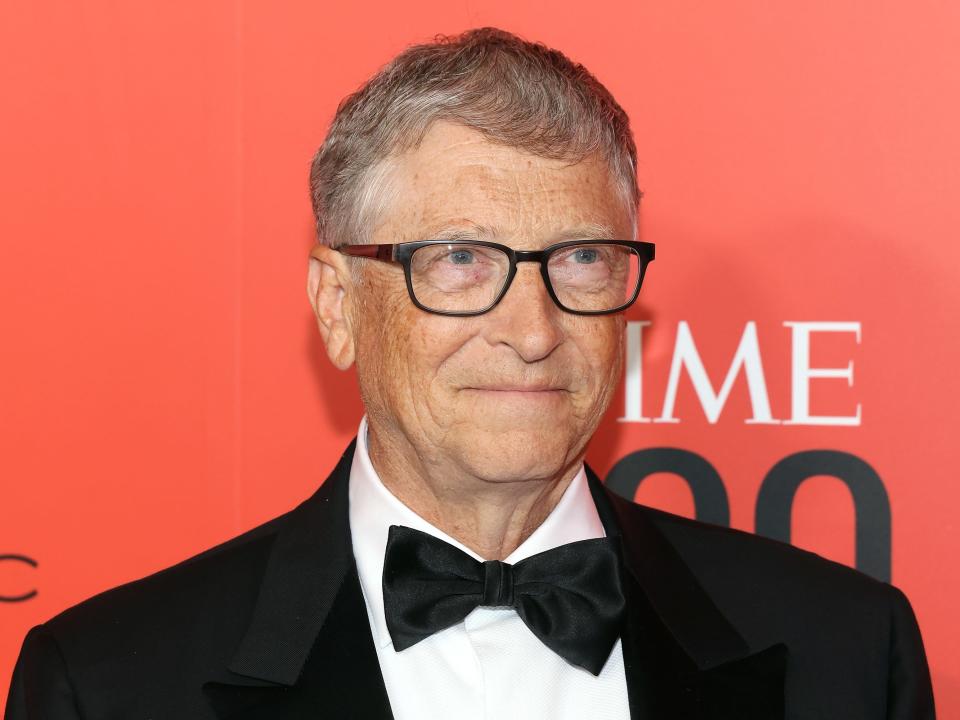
(519, 389)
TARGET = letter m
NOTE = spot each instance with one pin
(685, 356)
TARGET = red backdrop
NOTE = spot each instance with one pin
(162, 386)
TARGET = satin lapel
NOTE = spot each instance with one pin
(308, 651)
(683, 658)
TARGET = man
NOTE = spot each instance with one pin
(476, 210)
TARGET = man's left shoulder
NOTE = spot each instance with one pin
(852, 640)
(758, 581)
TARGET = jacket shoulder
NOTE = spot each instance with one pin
(756, 562)
(850, 637)
(771, 590)
(204, 594)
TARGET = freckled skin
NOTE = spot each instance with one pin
(485, 466)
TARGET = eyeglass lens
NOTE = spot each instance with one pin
(461, 277)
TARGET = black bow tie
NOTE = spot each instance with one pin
(570, 597)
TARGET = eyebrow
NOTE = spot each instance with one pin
(587, 231)
(475, 231)
(457, 230)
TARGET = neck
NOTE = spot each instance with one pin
(491, 517)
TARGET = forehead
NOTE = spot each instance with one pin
(456, 179)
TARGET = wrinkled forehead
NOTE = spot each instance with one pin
(457, 181)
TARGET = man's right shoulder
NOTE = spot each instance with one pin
(217, 586)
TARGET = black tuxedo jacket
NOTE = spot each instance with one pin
(272, 624)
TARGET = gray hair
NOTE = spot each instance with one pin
(516, 93)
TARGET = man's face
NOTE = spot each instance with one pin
(513, 394)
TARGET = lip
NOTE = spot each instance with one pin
(526, 389)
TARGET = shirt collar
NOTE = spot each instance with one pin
(373, 509)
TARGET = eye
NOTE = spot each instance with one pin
(461, 257)
(585, 256)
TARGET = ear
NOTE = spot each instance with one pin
(328, 284)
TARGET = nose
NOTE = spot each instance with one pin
(526, 318)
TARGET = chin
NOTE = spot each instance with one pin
(516, 454)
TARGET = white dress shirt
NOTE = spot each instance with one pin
(490, 666)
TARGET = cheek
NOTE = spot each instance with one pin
(422, 349)
(379, 331)
(407, 352)
(600, 344)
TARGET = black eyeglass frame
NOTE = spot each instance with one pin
(402, 253)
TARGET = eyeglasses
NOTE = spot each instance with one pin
(469, 277)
